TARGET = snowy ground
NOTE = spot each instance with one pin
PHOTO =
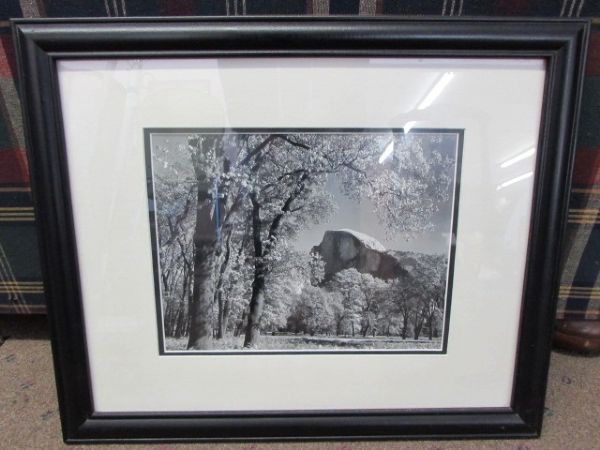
(306, 342)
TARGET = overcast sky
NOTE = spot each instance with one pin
(358, 216)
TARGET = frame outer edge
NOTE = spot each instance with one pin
(73, 390)
(79, 422)
(529, 397)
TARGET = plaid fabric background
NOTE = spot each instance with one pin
(21, 288)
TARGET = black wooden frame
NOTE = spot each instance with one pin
(562, 43)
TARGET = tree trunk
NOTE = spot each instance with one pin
(418, 326)
(220, 300)
(180, 327)
(221, 311)
(226, 309)
(258, 285)
(338, 327)
(226, 295)
(202, 295)
(182, 314)
(239, 327)
(168, 321)
(223, 316)
(431, 327)
(220, 330)
(256, 307)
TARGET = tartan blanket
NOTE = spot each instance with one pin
(21, 287)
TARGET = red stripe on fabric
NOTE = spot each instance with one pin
(8, 65)
(586, 172)
(177, 8)
(512, 7)
(13, 167)
(593, 58)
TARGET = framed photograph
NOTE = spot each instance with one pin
(290, 228)
(288, 268)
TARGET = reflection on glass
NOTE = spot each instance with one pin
(436, 90)
(389, 149)
(521, 156)
(514, 180)
(409, 126)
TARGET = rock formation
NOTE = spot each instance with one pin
(347, 249)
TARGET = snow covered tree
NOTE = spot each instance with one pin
(205, 157)
(363, 296)
(233, 279)
(317, 268)
(219, 221)
(404, 298)
(408, 188)
(418, 298)
(314, 312)
(174, 197)
(431, 273)
(287, 175)
(283, 286)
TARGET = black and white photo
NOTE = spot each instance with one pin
(303, 240)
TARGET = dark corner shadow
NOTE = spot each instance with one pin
(23, 326)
